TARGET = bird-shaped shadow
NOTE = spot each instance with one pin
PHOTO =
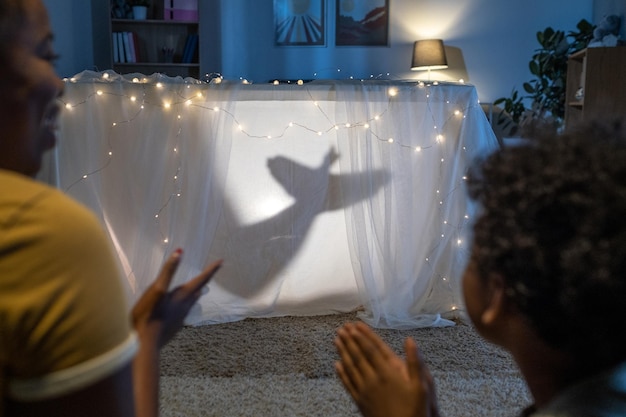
(260, 252)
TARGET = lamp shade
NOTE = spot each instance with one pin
(429, 54)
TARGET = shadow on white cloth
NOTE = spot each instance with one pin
(322, 198)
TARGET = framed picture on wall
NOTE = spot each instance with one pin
(362, 23)
(299, 22)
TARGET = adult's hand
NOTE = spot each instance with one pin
(160, 313)
(379, 381)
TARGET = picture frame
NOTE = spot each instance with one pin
(299, 23)
(362, 23)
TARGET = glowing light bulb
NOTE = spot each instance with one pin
(135, 80)
(133, 98)
(159, 85)
(105, 75)
(393, 92)
(68, 106)
(390, 140)
(188, 103)
(99, 92)
(276, 82)
(366, 125)
(300, 82)
(418, 149)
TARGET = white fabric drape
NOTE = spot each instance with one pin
(321, 198)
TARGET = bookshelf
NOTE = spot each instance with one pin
(159, 44)
(596, 86)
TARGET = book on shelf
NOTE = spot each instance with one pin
(120, 47)
(127, 50)
(191, 44)
(116, 52)
(125, 47)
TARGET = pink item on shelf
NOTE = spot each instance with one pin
(181, 10)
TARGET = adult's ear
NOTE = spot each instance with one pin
(496, 300)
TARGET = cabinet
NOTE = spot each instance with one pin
(159, 44)
(596, 85)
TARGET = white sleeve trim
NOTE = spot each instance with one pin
(78, 376)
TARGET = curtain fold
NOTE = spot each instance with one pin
(409, 240)
(324, 197)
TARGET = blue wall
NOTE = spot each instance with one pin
(489, 42)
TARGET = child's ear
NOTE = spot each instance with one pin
(496, 301)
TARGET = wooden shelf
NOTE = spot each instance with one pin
(152, 36)
(156, 64)
(154, 22)
(599, 73)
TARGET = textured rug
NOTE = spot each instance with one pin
(283, 367)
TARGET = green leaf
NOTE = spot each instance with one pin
(529, 88)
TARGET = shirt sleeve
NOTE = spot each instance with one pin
(63, 309)
(78, 376)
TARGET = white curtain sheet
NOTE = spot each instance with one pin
(324, 197)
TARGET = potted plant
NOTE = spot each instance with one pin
(546, 91)
(140, 9)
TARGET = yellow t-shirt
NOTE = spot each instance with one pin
(64, 320)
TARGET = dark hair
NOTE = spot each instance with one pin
(553, 224)
(12, 14)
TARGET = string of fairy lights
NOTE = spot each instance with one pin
(197, 94)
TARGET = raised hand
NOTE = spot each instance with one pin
(159, 314)
(379, 381)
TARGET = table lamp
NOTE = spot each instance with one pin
(429, 54)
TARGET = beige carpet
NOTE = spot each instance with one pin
(283, 367)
